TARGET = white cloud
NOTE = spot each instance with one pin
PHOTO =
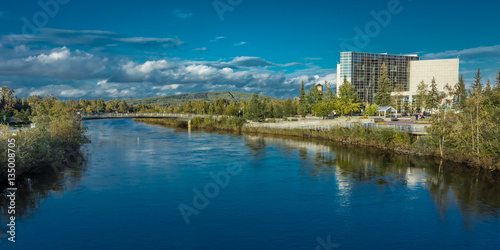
(201, 49)
(89, 38)
(218, 38)
(168, 87)
(75, 73)
(240, 44)
(55, 55)
(178, 13)
(472, 53)
(73, 93)
(19, 49)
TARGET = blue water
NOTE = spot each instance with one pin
(278, 193)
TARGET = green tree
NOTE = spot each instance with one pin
(348, 100)
(328, 92)
(124, 108)
(255, 110)
(475, 108)
(313, 96)
(383, 95)
(460, 94)
(370, 109)
(489, 97)
(434, 98)
(288, 107)
(7, 102)
(100, 104)
(303, 108)
(420, 102)
(323, 108)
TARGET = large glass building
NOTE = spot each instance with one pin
(363, 70)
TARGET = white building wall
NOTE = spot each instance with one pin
(443, 70)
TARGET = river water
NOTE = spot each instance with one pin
(152, 187)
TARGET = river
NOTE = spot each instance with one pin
(152, 187)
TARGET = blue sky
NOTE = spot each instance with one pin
(122, 49)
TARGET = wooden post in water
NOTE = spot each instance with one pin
(189, 125)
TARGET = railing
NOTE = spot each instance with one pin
(138, 115)
(410, 128)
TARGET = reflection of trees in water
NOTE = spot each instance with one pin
(257, 144)
(33, 189)
(475, 191)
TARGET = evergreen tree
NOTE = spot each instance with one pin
(477, 87)
(434, 98)
(489, 96)
(303, 108)
(475, 109)
(460, 98)
(255, 109)
(383, 95)
(496, 92)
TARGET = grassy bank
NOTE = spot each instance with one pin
(382, 138)
(54, 143)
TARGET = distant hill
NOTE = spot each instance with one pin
(207, 96)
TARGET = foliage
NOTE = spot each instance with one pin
(324, 108)
(348, 100)
(370, 109)
(433, 98)
(55, 140)
(303, 108)
(383, 95)
(255, 109)
(421, 100)
(460, 94)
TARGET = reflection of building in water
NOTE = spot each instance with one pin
(476, 195)
(322, 157)
(416, 178)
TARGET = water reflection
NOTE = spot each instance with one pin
(475, 191)
(32, 190)
(290, 187)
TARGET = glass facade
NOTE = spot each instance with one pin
(364, 69)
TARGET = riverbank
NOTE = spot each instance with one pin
(54, 144)
(382, 138)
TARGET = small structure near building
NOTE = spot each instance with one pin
(320, 87)
(385, 110)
